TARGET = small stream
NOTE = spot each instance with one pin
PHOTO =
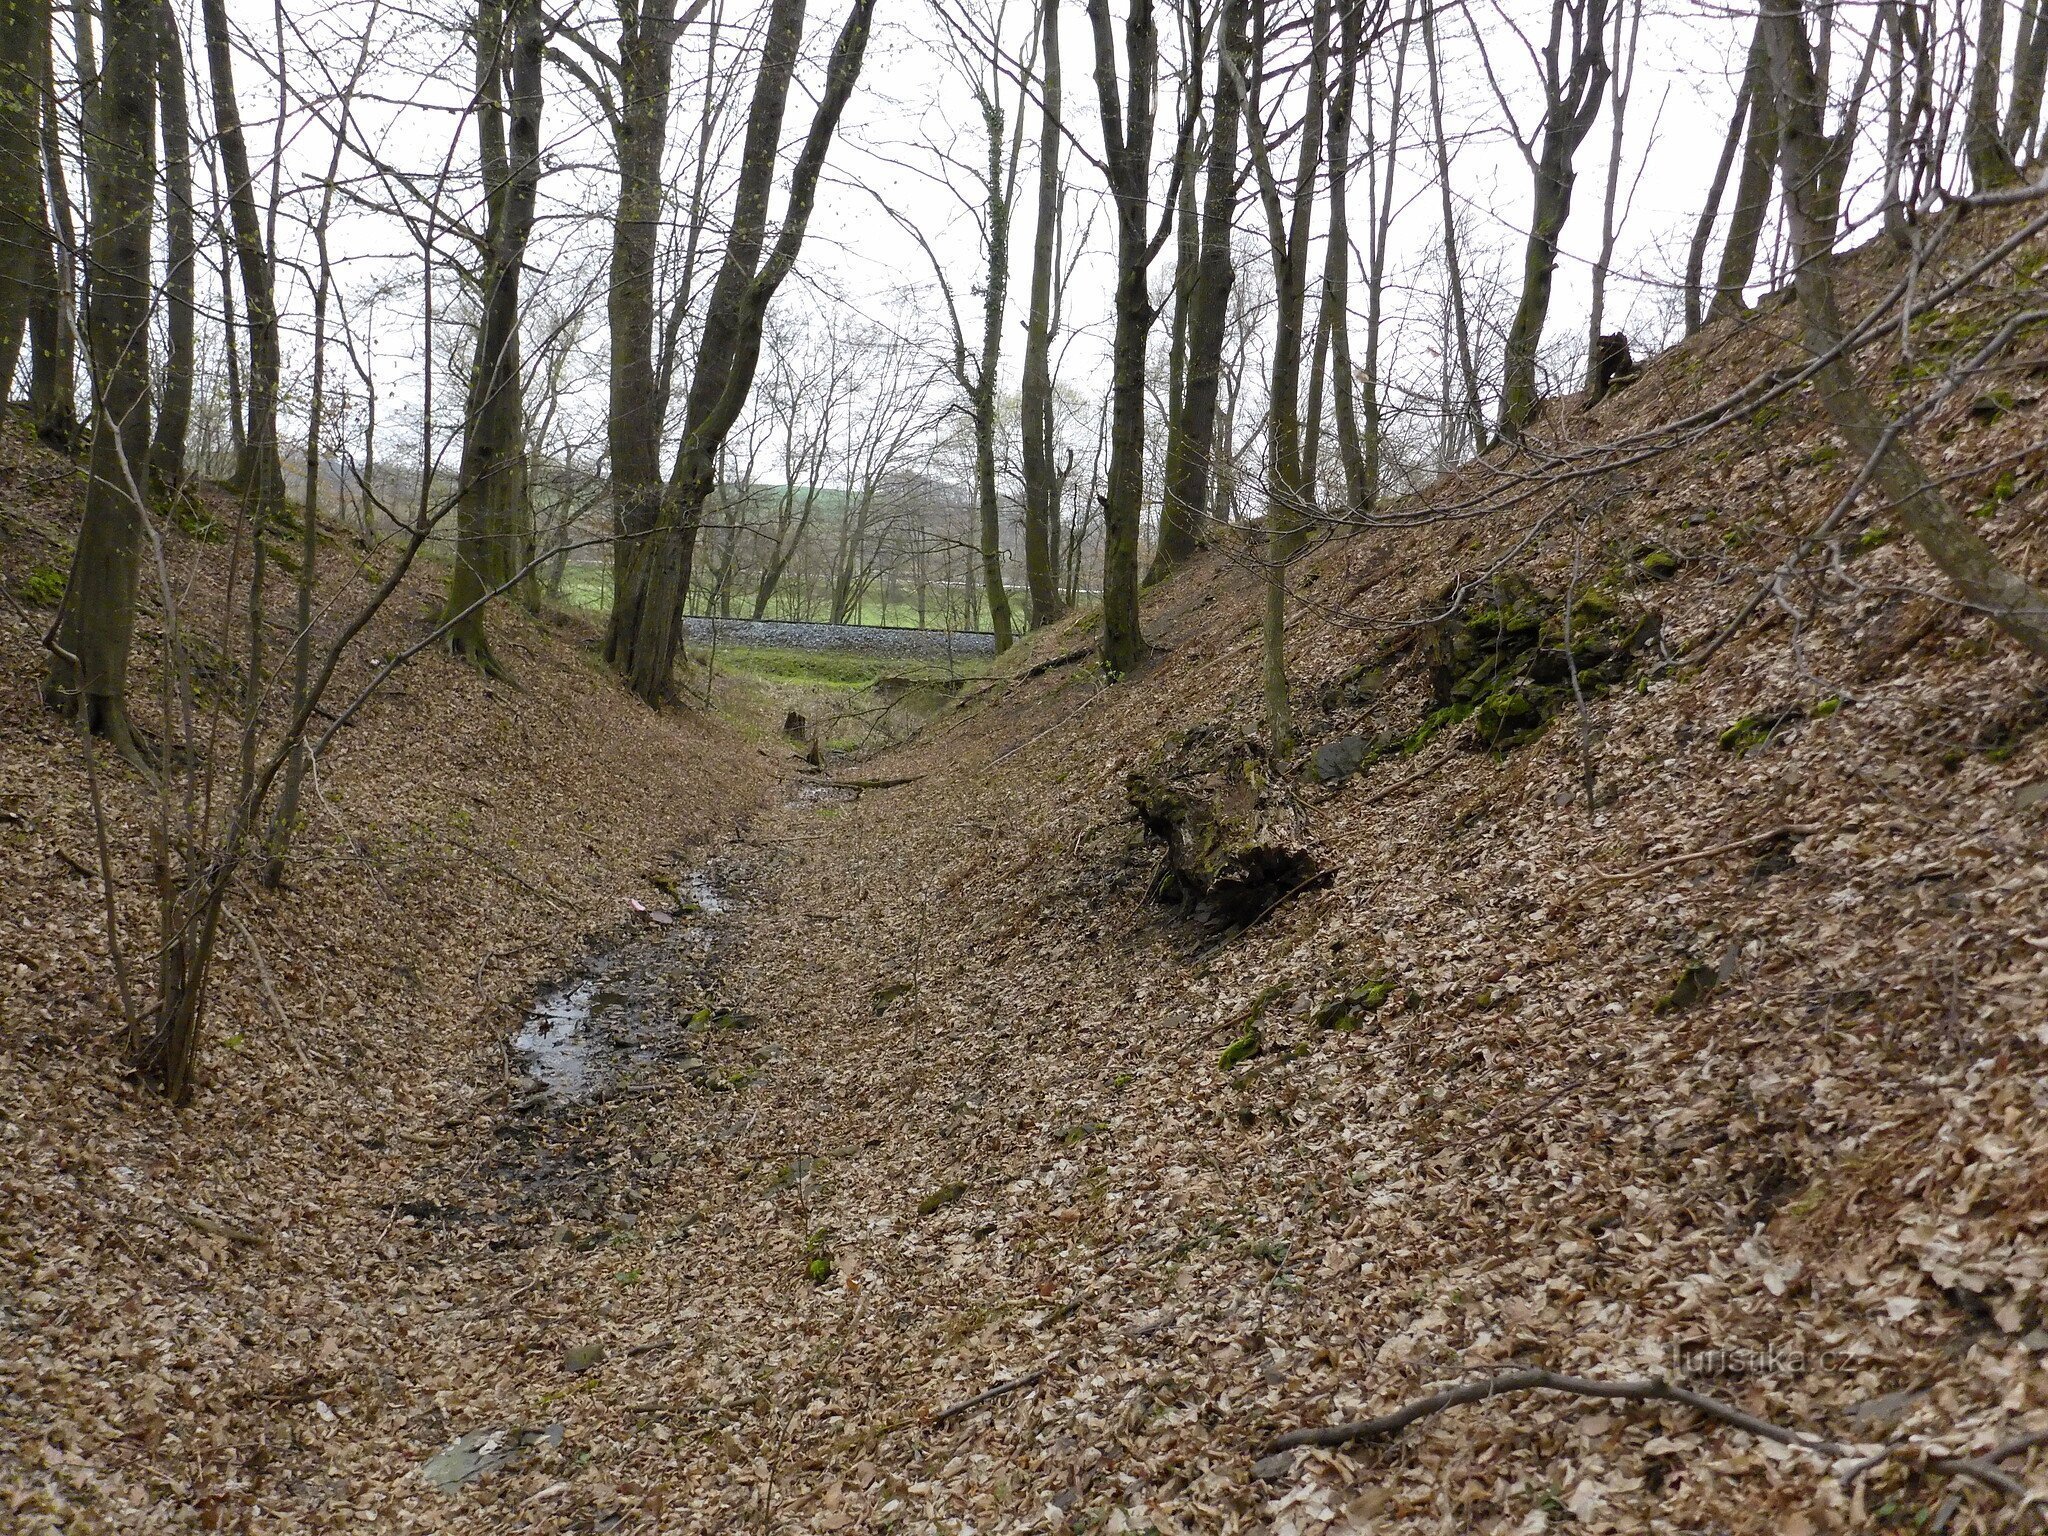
(586, 1036)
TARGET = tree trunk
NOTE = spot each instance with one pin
(89, 673)
(633, 424)
(1752, 188)
(1289, 497)
(1363, 478)
(259, 472)
(1041, 487)
(1813, 169)
(1990, 162)
(1571, 102)
(1357, 451)
(995, 291)
(174, 411)
(23, 234)
(2029, 74)
(492, 525)
(1703, 230)
(1474, 410)
(1619, 82)
(52, 320)
(1127, 151)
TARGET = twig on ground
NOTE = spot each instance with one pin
(1790, 830)
(1978, 1469)
(1000, 1389)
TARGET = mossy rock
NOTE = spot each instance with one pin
(1348, 1010)
(1242, 1049)
(1656, 563)
(940, 1198)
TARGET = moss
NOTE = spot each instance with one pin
(1753, 731)
(1346, 1011)
(1826, 707)
(1658, 564)
(1242, 1049)
(43, 586)
(1876, 536)
(1510, 716)
(1596, 607)
(940, 1198)
(1689, 987)
(1992, 404)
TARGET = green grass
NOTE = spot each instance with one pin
(588, 587)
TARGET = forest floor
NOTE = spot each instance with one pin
(923, 1172)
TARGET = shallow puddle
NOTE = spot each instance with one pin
(587, 1034)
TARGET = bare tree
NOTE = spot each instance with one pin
(1572, 68)
(493, 523)
(1127, 162)
(1289, 215)
(1752, 187)
(1188, 477)
(1619, 84)
(174, 409)
(1041, 481)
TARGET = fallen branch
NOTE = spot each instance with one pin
(869, 783)
(1978, 1469)
(1792, 831)
(1000, 1389)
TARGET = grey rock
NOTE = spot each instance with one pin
(1271, 1469)
(481, 1451)
(1335, 761)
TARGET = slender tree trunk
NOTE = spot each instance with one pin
(174, 411)
(1188, 475)
(1179, 534)
(1618, 90)
(52, 321)
(1473, 409)
(1358, 452)
(1571, 102)
(1813, 169)
(1289, 496)
(89, 673)
(23, 234)
(1127, 150)
(995, 292)
(1703, 230)
(1752, 188)
(259, 472)
(2029, 74)
(1367, 488)
(1041, 487)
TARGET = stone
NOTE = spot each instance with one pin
(1335, 761)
